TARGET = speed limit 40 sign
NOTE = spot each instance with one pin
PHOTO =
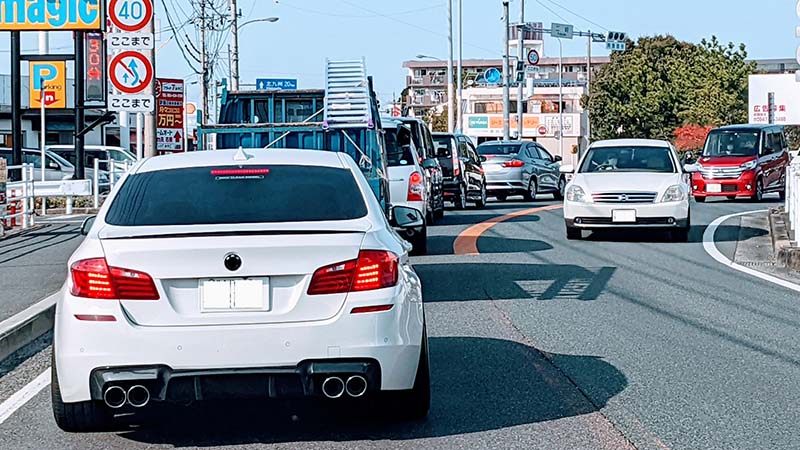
(131, 16)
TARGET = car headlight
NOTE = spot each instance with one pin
(674, 194)
(749, 165)
(576, 194)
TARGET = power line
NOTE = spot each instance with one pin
(543, 5)
(576, 14)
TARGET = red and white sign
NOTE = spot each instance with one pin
(131, 72)
(170, 99)
(130, 15)
(542, 130)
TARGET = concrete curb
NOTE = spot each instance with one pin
(22, 329)
(786, 253)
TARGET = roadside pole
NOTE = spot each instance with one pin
(561, 98)
(588, 86)
(450, 93)
(460, 68)
(521, 57)
(506, 92)
(150, 122)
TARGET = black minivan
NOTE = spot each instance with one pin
(464, 180)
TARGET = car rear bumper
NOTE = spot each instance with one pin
(389, 339)
(745, 185)
(593, 215)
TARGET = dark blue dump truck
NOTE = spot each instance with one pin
(343, 117)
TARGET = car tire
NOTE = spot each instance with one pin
(480, 204)
(731, 197)
(530, 194)
(700, 199)
(415, 403)
(439, 213)
(77, 417)
(420, 242)
(562, 186)
(501, 198)
(574, 234)
(759, 195)
(461, 198)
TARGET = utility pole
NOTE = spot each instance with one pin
(204, 75)
(450, 93)
(588, 85)
(150, 123)
(506, 92)
(521, 55)
(459, 70)
(80, 118)
(560, 98)
(234, 51)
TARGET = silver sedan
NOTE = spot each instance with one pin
(520, 168)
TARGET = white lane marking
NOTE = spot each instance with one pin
(711, 248)
(22, 396)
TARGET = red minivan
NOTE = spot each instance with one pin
(742, 161)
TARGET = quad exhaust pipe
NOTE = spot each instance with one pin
(116, 397)
(335, 387)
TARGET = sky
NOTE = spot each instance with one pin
(388, 32)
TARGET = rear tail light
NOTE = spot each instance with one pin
(374, 269)
(93, 278)
(415, 187)
(456, 172)
(513, 163)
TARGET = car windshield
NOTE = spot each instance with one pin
(498, 149)
(628, 159)
(731, 143)
(396, 154)
(444, 146)
(229, 195)
(121, 156)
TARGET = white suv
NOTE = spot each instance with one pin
(628, 183)
(216, 275)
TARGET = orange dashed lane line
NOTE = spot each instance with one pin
(467, 242)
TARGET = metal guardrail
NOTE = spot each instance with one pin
(793, 196)
(112, 177)
(19, 193)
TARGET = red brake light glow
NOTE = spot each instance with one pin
(514, 163)
(93, 278)
(238, 172)
(415, 187)
(374, 269)
(370, 309)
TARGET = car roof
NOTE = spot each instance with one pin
(748, 127)
(630, 143)
(86, 147)
(255, 156)
(502, 143)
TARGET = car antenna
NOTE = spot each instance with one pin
(241, 155)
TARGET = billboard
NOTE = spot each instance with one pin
(169, 113)
(787, 99)
(51, 15)
(54, 76)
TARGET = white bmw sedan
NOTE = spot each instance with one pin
(628, 183)
(231, 274)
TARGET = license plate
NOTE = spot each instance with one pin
(492, 168)
(234, 295)
(623, 216)
(714, 188)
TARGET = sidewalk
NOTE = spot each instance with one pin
(767, 252)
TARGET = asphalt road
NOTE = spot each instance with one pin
(619, 341)
(33, 264)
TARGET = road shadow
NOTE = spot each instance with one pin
(476, 218)
(478, 385)
(540, 282)
(725, 233)
(443, 245)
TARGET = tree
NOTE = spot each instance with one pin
(660, 84)
(691, 137)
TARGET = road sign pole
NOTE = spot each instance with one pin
(80, 121)
(16, 107)
(506, 91)
(521, 56)
(150, 123)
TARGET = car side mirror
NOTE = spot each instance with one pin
(689, 157)
(405, 217)
(483, 158)
(691, 167)
(557, 158)
(430, 164)
(567, 168)
(87, 225)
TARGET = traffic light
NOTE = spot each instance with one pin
(520, 76)
(615, 41)
(520, 66)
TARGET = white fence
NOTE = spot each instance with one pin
(114, 175)
(793, 196)
(19, 201)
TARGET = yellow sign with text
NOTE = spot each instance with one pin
(48, 81)
(51, 15)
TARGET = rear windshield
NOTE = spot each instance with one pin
(209, 195)
(396, 154)
(628, 159)
(495, 149)
(444, 146)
